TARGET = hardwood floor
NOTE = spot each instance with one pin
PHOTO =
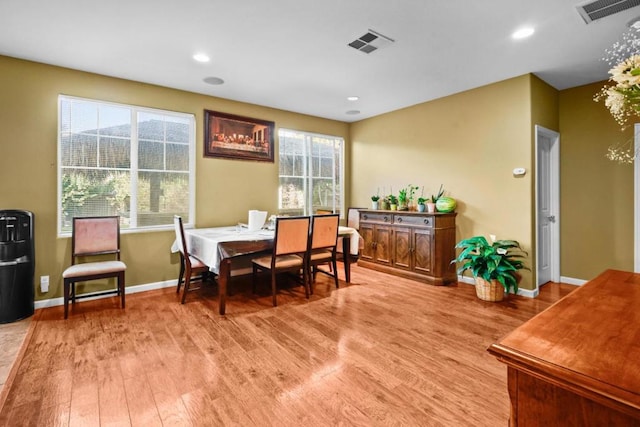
(379, 351)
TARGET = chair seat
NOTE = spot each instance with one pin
(283, 261)
(91, 268)
(196, 263)
(322, 255)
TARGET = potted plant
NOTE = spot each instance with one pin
(421, 204)
(393, 202)
(494, 266)
(431, 205)
(402, 200)
(384, 205)
(374, 202)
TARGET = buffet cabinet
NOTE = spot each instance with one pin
(414, 245)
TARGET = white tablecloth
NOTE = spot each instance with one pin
(203, 242)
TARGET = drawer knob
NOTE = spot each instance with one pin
(365, 216)
(427, 221)
(386, 219)
(399, 219)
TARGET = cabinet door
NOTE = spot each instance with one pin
(402, 252)
(422, 251)
(368, 251)
(383, 245)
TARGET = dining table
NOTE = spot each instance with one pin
(218, 246)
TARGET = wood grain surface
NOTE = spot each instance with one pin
(381, 350)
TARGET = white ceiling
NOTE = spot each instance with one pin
(293, 54)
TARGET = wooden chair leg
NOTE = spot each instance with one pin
(66, 298)
(187, 282)
(254, 277)
(334, 263)
(305, 280)
(181, 275)
(121, 287)
(273, 287)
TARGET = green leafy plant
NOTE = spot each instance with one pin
(402, 195)
(499, 260)
(422, 200)
(440, 194)
(375, 198)
(393, 200)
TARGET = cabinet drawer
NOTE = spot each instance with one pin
(375, 217)
(424, 221)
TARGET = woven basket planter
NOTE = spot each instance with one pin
(489, 291)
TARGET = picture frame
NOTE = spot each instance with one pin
(235, 137)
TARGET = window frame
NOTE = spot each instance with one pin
(133, 169)
(308, 171)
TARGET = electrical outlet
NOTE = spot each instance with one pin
(44, 283)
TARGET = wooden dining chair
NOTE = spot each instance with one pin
(289, 252)
(322, 246)
(94, 238)
(191, 268)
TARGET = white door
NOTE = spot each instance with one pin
(547, 202)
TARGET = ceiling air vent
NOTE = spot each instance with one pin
(371, 41)
(599, 9)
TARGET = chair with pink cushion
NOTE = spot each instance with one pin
(289, 252)
(94, 238)
(322, 246)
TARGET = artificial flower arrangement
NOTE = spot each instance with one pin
(623, 97)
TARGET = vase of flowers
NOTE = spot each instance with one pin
(622, 97)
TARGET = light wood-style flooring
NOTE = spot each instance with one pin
(379, 351)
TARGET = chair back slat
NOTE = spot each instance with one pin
(324, 231)
(182, 242)
(353, 218)
(96, 235)
(292, 235)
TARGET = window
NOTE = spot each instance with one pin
(123, 160)
(311, 173)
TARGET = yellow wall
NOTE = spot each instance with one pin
(470, 142)
(596, 194)
(225, 189)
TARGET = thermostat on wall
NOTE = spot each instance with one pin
(519, 171)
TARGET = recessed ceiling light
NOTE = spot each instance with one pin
(213, 80)
(523, 33)
(352, 98)
(201, 57)
(353, 112)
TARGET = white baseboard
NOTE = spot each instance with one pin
(572, 281)
(524, 292)
(52, 302)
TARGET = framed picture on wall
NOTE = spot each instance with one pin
(236, 137)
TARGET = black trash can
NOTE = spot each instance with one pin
(17, 265)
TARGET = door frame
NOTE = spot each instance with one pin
(555, 201)
(636, 200)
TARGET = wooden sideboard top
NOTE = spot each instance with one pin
(589, 341)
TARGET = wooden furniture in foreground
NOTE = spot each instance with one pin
(576, 363)
(414, 245)
(94, 237)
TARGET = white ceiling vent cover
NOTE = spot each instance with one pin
(372, 41)
(599, 9)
